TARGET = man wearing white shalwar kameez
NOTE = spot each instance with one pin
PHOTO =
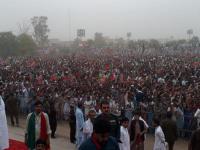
(159, 143)
(197, 115)
(88, 125)
(66, 110)
(79, 125)
(87, 129)
(4, 141)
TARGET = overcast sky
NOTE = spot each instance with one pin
(114, 18)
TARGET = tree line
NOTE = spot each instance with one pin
(25, 43)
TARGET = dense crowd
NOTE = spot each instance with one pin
(156, 84)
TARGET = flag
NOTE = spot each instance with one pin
(53, 77)
(107, 67)
(112, 77)
(65, 78)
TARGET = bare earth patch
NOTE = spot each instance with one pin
(62, 141)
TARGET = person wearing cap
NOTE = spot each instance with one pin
(37, 127)
(88, 125)
(4, 142)
(137, 132)
(100, 139)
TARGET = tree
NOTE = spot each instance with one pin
(8, 44)
(41, 30)
(128, 35)
(27, 45)
(142, 46)
(189, 33)
(99, 40)
(182, 41)
(120, 43)
(90, 43)
(24, 28)
(76, 43)
(194, 41)
(132, 45)
(154, 44)
(171, 44)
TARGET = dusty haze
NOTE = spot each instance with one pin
(114, 18)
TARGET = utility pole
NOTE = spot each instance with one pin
(69, 25)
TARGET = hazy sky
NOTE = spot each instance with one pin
(144, 18)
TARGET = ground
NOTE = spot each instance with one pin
(62, 141)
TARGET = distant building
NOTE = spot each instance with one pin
(56, 43)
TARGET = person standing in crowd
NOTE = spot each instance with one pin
(31, 103)
(4, 143)
(141, 119)
(100, 139)
(46, 105)
(197, 116)
(194, 143)
(79, 124)
(66, 108)
(88, 105)
(159, 143)
(170, 130)
(179, 120)
(53, 119)
(12, 108)
(25, 100)
(37, 127)
(72, 124)
(98, 108)
(88, 125)
(137, 132)
(139, 95)
(112, 119)
(40, 145)
(124, 135)
(172, 110)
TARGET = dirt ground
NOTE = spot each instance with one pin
(62, 141)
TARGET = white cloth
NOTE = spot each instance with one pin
(4, 140)
(159, 143)
(88, 106)
(79, 126)
(124, 138)
(197, 115)
(145, 123)
(66, 110)
(38, 124)
(87, 129)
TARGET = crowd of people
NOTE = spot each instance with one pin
(73, 87)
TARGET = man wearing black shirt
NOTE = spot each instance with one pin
(111, 118)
